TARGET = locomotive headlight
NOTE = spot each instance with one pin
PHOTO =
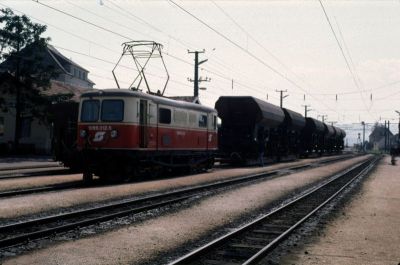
(114, 134)
(83, 133)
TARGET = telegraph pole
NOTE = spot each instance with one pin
(282, 97)
(363, 143)
(388, 137)
(323, 117)
(398, 139)
(196, 79)
(306, 110)
(385, 137)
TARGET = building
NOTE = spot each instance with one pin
(36, 136)
(377, 138)
(71, 73)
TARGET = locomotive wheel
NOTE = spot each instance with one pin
(87, 177)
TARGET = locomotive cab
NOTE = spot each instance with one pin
(128, 133)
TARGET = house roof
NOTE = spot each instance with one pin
(378, 134)
(50, 56)
(61, 59)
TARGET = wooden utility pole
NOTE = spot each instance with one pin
(363, 143)
(282, 97)
(196, 79)
(306, 110)
(323, 117)
(388, 136)
(385, 138)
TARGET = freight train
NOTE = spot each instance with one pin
(124, 133)
(251, 127)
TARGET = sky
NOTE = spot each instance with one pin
(348, 69)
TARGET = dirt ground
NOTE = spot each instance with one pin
(368, 231)
(137, 243)
(35, 203)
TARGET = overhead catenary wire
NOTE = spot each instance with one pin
(267, 51)
(125, 12)
(110, 31)
(128, 38)
(132, 29)
(102, 59)
(228, 79)
(343, 55)
(252, 55)
(238, 46)
(206, 69)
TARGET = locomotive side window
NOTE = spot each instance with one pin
(112, 110)
(164, 116)
(90, 110)
(203, 121)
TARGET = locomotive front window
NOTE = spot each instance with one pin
(90, 111)
(112, 110)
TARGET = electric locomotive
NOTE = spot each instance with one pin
(123, 133)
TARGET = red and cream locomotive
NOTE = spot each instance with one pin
(124, 132)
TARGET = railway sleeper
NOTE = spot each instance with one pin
(218, 262)
(246, 246)
(236, 254)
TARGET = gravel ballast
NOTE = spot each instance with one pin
(140, 242)
(366, 231)
(36, 203)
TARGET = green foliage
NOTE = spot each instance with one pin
(18, 32)
(23, 52)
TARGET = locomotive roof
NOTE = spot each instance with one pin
(247, 109)
(297, 121)
(155, 98)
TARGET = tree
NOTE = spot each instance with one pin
(21, 51)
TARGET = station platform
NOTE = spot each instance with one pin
(367, 231)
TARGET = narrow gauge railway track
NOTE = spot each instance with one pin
(79, 184)
(19, 232)
(251, 243)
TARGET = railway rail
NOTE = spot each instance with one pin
(49, 188)
(79, 184)
(32, 172)
(19, 232)
(252, 242)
